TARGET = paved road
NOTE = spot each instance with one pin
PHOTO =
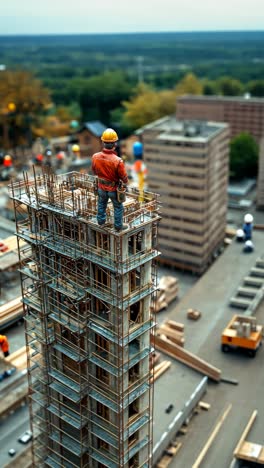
(211, 295)
(10, 430)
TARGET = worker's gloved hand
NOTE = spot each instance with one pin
(6, 353)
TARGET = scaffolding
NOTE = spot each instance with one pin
(86, 294)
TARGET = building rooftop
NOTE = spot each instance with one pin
(184, 130)
(246, 99)
(95, 127)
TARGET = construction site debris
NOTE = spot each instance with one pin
(175, 325)
(204, 406)
(248, 450)
(169, 454)
(193, 314)
(186, 357)
(173, 331)
(168, 290)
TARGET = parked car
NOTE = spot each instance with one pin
(25, 438)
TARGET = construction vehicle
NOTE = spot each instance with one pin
(167, 291)
(242, 333)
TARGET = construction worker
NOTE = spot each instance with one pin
(4, 345)
(76, 151)
(248, 226)
(7, 162)
(110, 170)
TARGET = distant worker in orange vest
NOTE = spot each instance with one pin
(7, 162)
(110, 170)
(4, 345)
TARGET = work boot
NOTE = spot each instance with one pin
(123, 228)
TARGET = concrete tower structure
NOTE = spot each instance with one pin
(86, 294)
(188, 165)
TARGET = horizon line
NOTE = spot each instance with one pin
(205, 31)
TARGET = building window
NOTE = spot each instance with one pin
(102, 375)
(135, 243)
(102, 410)
(135, 312)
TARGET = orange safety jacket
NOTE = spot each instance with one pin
(4, 343)
(109, 168)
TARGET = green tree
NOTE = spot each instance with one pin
(23, 99)
(229, 86)
(104, 93)
(209, 87)
(148, 105)
(243, 156)
(190, 84)
(256, 88)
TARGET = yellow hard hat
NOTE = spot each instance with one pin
(109, 136)
(75, 148)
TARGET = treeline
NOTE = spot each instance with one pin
(64, 62)
(124, 80)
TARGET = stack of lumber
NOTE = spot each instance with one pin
(168, 290)
(18, 359)
(11, 311)
(173, 331)
(11, 244)
(165, 345)
(169, 454)
(159, 369)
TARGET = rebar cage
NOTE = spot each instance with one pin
(86, 293)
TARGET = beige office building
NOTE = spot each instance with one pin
(188, 165)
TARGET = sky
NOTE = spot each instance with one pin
(109, 16)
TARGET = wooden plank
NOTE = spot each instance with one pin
(168, 457)
(209, 442)
(175, 325)
(165, 329)
(173, 335)
(249, 451)
(245, 433)
(203, 405)
(159, 370)
(186, 357)
(261, 456)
